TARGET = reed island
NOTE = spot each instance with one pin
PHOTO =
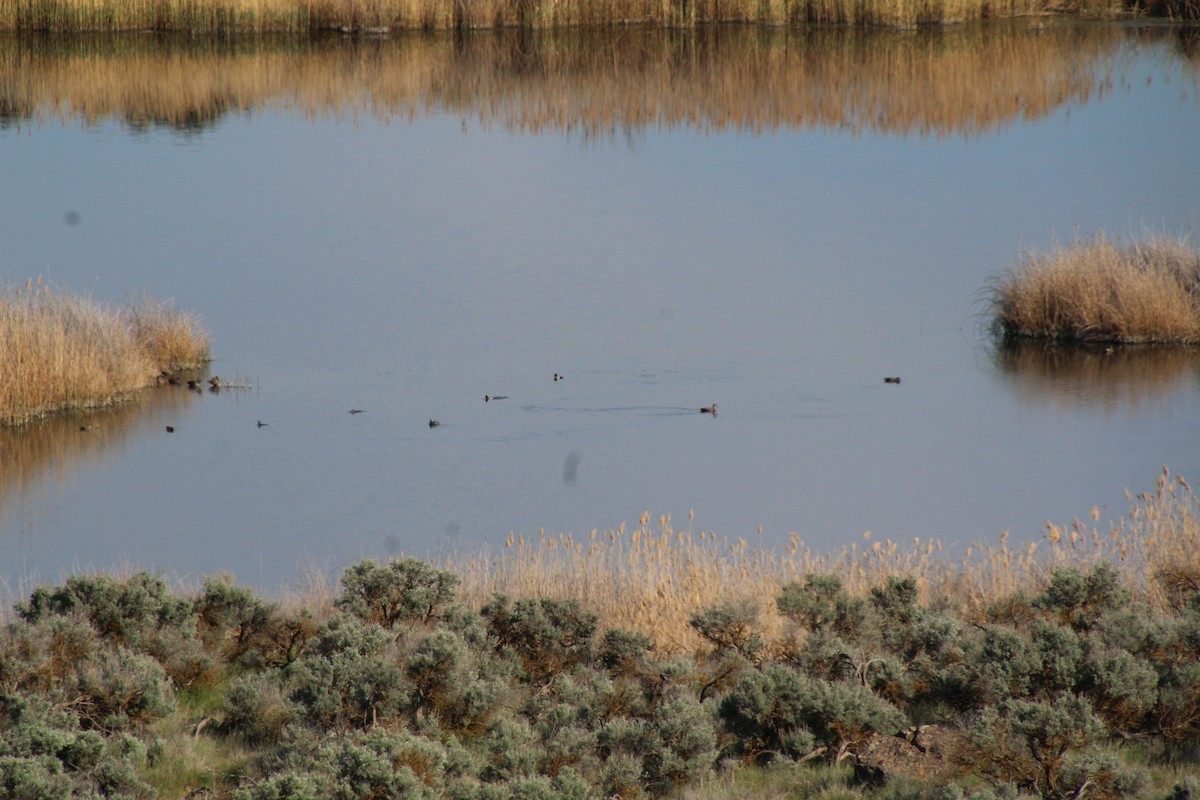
(61, 351)
(1100, 290)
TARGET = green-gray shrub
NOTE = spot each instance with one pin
(731, 626)
(45, 754)
(820, 603)
(444, 681)
(1003, 664)
(255, 709)
(119, 689)
(625, 652)
(39, 656)
(684, 743)
(286, 786)
(511, 745)
(1078, 600)
(138, 612)
(403, 590)
(1061, 653)
(240, 626)
(1036, 745)
(120, 610)
(350, 678)
(548, 636)
(766, 706)
(1122, 689)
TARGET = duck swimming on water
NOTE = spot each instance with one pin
(709, 409)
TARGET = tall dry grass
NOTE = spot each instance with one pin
(59, 350)
(958, 82)
(376, 16)
(654, 577)
(1100, 290)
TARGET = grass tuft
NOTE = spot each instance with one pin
(1099, 290)
(59, 350)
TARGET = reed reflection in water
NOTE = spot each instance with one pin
(956, 82)
(48, 450)
(1107, 379)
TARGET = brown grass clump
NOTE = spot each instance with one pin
(653, 579)
(62, 351)
(1103, 291)
(170, 338)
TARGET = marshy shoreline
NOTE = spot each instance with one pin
(643, 663)
(379, 17)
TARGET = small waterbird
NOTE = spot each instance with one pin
(262, 424)
(356, 411)
(558, 377)
(433, 423)
(489, 397)
(891, 380)
(215, 381)
(170, 429)
(709, 409)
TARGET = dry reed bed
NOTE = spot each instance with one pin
(654, 578)
(1099, 290)
(298, 16)
(962, 81)
(60, 351)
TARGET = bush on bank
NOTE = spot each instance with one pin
(398, 690)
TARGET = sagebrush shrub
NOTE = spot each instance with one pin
(1036, 745)
(733, 626)
(767, 707)
(403, 590)
(444, 681)
(548, 636)
(350, 678)
(1078, 600)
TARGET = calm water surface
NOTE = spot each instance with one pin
(773, 222)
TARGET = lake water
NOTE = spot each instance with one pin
(772, 221)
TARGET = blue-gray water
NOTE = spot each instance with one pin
(408, 264)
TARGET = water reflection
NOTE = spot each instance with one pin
(1108, 379)
(960, 81)
(51, 448)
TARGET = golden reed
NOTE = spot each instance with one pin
(654, 577)
(378, 16)
(1099, 290)
(960, 81)
(63, 351)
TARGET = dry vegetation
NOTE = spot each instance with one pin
(654, 578)
(378, 16)
(63, 351)
(1099, 290)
